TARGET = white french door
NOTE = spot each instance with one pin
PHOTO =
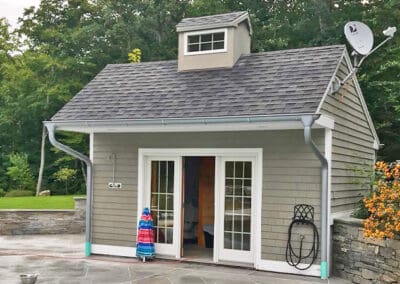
(162, 195)
(236, 211)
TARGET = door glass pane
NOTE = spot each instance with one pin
(237, 223)
(162, 200)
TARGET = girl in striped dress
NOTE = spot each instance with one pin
(145, 237)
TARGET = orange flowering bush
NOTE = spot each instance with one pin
(384, 203)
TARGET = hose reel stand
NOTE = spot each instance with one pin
(303, 215)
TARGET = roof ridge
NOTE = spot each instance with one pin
(213, 15)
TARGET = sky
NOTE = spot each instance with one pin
(12, 9)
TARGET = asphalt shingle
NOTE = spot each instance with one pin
(220, 19)
(269, 83)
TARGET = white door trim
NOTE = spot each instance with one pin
(255, 153)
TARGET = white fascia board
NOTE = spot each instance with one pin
(122, 127)
(363, 102)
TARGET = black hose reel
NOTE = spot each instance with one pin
(303, 216)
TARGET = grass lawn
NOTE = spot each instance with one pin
(40, 202)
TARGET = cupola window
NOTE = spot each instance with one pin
(205, 42)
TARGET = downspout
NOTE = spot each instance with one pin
(308, 121)
(89, 182)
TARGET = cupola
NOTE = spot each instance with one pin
(215, 41)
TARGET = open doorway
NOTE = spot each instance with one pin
(198, 208)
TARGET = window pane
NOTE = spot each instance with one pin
(237, 242)
(169, 236)
(229, 186)
(218, 36)
(246, 224)
(238, 187)
(247, 204)
(193, 47)
(246, 242)
(228, 204)
(238, 205)
(239, 169)
(229, 169)
(218, 45)
(206, 38)
(247, 169)
(228, 224)
(170, 188)
(237, 224)
(247, 187)
(205, 46)
(228, 240)
(170, 202)
(193, 39)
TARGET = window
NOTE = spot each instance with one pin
(206, 42)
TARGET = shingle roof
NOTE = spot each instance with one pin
(220, 20)
(269, 83)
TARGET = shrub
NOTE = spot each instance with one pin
(2, 192)
(19, 171)
(19, 193)
(384, 203)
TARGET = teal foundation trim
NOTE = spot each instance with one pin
(324, 270)
(88, 248)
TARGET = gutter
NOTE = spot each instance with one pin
(89, 182)
(178, 121)
(308, 121)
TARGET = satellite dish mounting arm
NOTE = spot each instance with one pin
(389, 32)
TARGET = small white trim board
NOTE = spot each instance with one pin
(114, 250)
(283, 267)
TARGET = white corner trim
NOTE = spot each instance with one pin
(91, 149)
(325, 122)
(114, 250)
(284, 267)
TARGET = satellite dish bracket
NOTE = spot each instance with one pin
(357, 64)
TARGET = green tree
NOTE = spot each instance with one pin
(20, 172)
(64, 175)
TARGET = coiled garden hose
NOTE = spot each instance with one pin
(302, 219)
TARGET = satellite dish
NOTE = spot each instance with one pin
(360, 37)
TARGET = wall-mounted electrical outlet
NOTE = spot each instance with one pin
(115, 185)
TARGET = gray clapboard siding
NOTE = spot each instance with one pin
(352, 145)
(291, 175)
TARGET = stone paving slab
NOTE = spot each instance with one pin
(59, 259)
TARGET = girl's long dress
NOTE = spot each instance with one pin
(145, 238)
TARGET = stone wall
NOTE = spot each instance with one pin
(363, 260)
(29, 221)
